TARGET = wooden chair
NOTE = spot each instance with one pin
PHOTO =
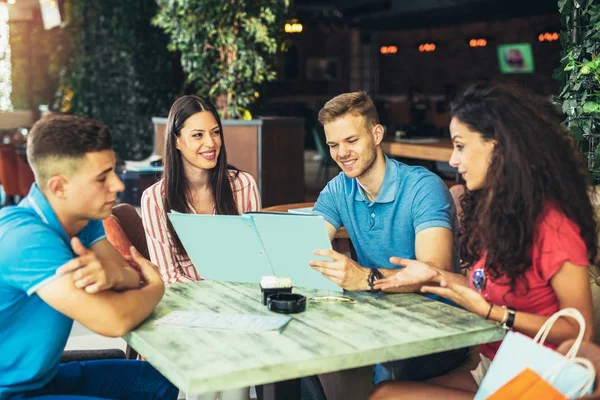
(90, 355)
(124, 228)
(325, 161)
(25, 177)
(9, 177)
(457, 191)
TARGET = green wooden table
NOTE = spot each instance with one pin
(325, 338)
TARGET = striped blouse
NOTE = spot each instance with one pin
(173, 267)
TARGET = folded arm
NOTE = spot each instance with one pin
(111, 258)
(109, 313)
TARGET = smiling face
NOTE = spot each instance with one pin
(352, 145)
(200, 141)
(472, 154)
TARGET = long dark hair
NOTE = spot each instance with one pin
(534, 163)
(177, 188)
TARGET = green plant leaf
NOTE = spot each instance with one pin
(120, 72)
(591, 107)
(576, 132)
(562, 4)
(579, 74)
(586, 68)
(228, 48)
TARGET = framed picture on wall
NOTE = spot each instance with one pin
(323, 69)
(516, 58)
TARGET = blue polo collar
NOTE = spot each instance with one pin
(36, 201)
(389, 187)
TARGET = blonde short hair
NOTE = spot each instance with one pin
(354, 103)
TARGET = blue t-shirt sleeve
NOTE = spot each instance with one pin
(432, 204)
(92, 233)
(37, 253)
(328, 202)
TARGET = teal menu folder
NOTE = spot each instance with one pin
(243, 248)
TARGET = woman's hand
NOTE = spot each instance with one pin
(462, 295)
(413, 273)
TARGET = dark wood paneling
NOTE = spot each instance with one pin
(282, 161)
(241, 142)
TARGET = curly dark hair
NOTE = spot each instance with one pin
(535, 162)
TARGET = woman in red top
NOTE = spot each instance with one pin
(527, 227)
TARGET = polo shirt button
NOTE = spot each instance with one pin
(373, 215)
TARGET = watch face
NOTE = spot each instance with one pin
(371, 279)
(373, 275)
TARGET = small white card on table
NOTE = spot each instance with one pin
(229, 322)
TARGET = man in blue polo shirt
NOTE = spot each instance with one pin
(391, 211)
(57, 266)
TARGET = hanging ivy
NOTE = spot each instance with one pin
(120, 71)
(579, 72)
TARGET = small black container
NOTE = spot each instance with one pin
(286, 303)
(269, 291)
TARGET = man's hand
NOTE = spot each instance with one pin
(342, 270)
(414, 273)
(89, 273)
(148, 270)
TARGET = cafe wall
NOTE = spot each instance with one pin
(317, 62)
(322, 57)
(454, 62)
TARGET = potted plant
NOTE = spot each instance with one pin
(228, 50)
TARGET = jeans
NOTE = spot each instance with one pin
(420, 368)
(105, 379)
(413, 369)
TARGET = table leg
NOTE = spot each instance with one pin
(288, 390)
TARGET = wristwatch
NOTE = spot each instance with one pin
(374, 274)
(510, 321)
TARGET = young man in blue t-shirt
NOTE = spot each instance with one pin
(391, 211)
(57, 266)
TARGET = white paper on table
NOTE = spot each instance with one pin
(229, 322)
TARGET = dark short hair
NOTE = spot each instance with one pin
(57, 142)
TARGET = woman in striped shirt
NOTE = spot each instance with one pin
(197, 180)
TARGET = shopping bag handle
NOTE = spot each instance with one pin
(565, 312)
(586, 386)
